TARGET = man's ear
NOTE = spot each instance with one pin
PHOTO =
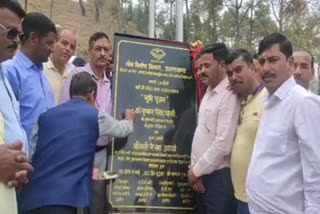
(34, 38)
(92, 97)
(291, 65)
(313, 74)
(252, 68)
(222, 66)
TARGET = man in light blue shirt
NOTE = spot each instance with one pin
(9, 108)
(25, 70)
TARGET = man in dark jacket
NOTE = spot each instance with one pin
(62, 148)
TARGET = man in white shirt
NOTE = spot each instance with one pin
(303, 62)
(284, 173)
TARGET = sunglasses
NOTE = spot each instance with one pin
(12, 33)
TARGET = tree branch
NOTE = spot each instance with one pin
(230, 10)
(263, 24)
(244, 15)
(274, 11)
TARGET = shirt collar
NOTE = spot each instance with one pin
(251, 96)
(282, 91)
(1, 74)
(27, 63)
(88, 68)
(50, 65)
(220, 87)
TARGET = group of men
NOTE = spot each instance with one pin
(45, 104)
(255, 149)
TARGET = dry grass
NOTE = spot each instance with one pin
(67, 13)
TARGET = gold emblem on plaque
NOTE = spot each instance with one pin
(158, 54)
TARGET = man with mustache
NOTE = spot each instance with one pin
(13, 162)
(284, 175)
(56, 69)
(243, 82)
(209, 172)
(303, 62)
(25, 70)
(99, 53)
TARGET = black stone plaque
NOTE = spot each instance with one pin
(154, 77)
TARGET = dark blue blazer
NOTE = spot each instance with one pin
(63, 158)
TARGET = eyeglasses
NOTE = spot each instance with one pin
(12, 33)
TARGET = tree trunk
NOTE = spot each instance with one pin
(51, 8)
(214, 19)
(171, 21)
(251, 24)
(120, 16)
(26, 5)
(209, 26)
(97, 13)
(188, 21)
(83, 9)
(281, 15)
(146, 5)
(237, 20)
(97, 10)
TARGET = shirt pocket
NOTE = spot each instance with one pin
(251, 116)
(249, 124)
(276, 144)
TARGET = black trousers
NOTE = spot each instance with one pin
(219, 195)
(53, 210)
(99, 199)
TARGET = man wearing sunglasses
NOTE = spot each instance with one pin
(13, 162)
(12, 36)
(10, 30)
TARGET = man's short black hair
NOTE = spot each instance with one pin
(96, 36)
(37, 23)
(255, 56)
(274, 39)
(79, 62)
(13, 6)
(82, 84)
(235, 54)
(218, 50)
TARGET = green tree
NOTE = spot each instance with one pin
(141, 14)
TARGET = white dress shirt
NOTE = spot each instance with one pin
(284, 173)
